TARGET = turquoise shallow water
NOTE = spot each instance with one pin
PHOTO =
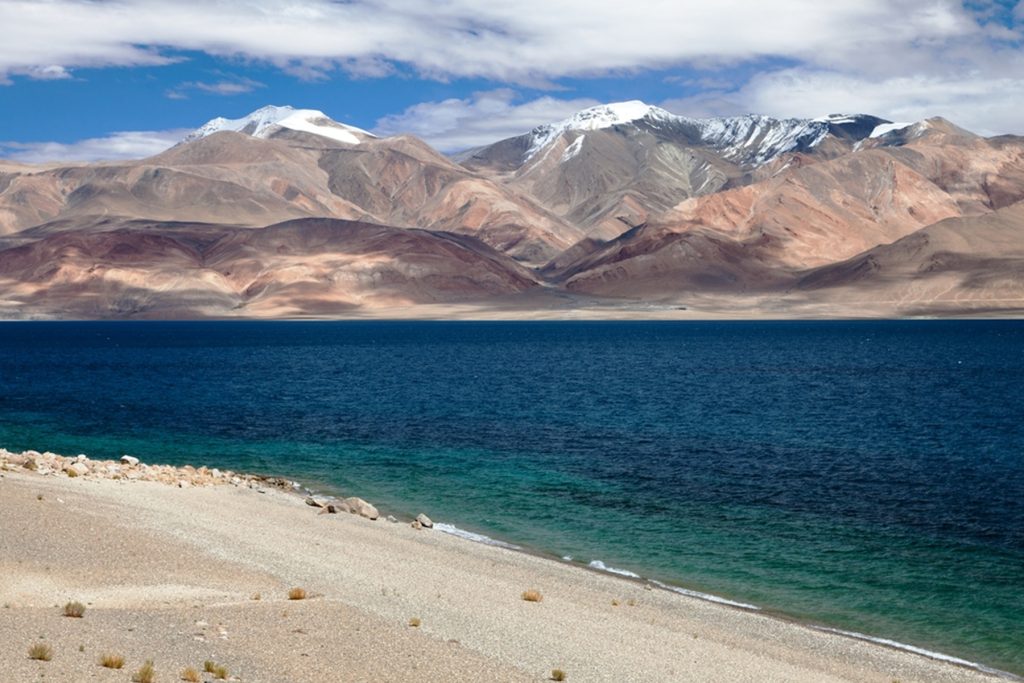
(862, 475)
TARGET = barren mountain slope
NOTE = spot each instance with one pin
(404, 182)
(959, 263)
(301, 267)
(755, 237)
(611, 167)
(232, 177)
(811, 215)
(225, 178)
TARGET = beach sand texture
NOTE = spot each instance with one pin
(171, 574)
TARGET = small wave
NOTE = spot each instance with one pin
(706, 596)
(598, 564)
(470, 536)
(931, 654)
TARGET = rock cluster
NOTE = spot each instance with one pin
(130, 468)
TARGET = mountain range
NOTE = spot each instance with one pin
(623, 209)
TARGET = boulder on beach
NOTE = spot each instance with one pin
(79, 468)
(360, 507)
(130, 460)
(424, 521)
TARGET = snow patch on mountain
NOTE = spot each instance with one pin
(757, 139)
(884, 128)
(266, 121)
(573, 149)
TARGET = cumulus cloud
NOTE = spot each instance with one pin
(116, 146)
(523, 41)
(984, 103)
(457, 124)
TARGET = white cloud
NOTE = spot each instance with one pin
(486, 117)
(237, 86)
(122, 145)
(988, 104)
(52, 72)
(528, 40)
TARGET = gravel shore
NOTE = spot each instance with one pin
(185, 573)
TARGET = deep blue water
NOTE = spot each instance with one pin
(864, 475)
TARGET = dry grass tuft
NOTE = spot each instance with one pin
(615, 603)
(72, 474)
(209, 667)
(532, 596)
(191, 675)
(220, 672)
(557, 675)
(415, 622)
(111, 661)
(41, 652)
(147, 674)
(74, 609)
(297, 594)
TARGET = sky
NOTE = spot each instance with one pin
(110, 79)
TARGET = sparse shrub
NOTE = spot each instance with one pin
(209, 666)
(297, 594)
(74, 609)
(415, 622)
(41, 652)
(532, 596)
(615, 603)
(557, 675)
(111, 661)
(72, 474)
(190, 675)
(220, 672)
(255, 596)
(146, 674)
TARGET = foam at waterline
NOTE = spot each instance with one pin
(598, 564)
(705, 596)
(931, 654)
(470, 536)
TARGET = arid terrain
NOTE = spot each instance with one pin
(623, 210)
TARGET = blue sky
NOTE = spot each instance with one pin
(90, 79)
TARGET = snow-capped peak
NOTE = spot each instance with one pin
(594, 118)
(750, 139)
(266, 121)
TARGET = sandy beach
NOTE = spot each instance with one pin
(180, 576)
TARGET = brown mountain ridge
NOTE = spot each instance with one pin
(623, 209)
